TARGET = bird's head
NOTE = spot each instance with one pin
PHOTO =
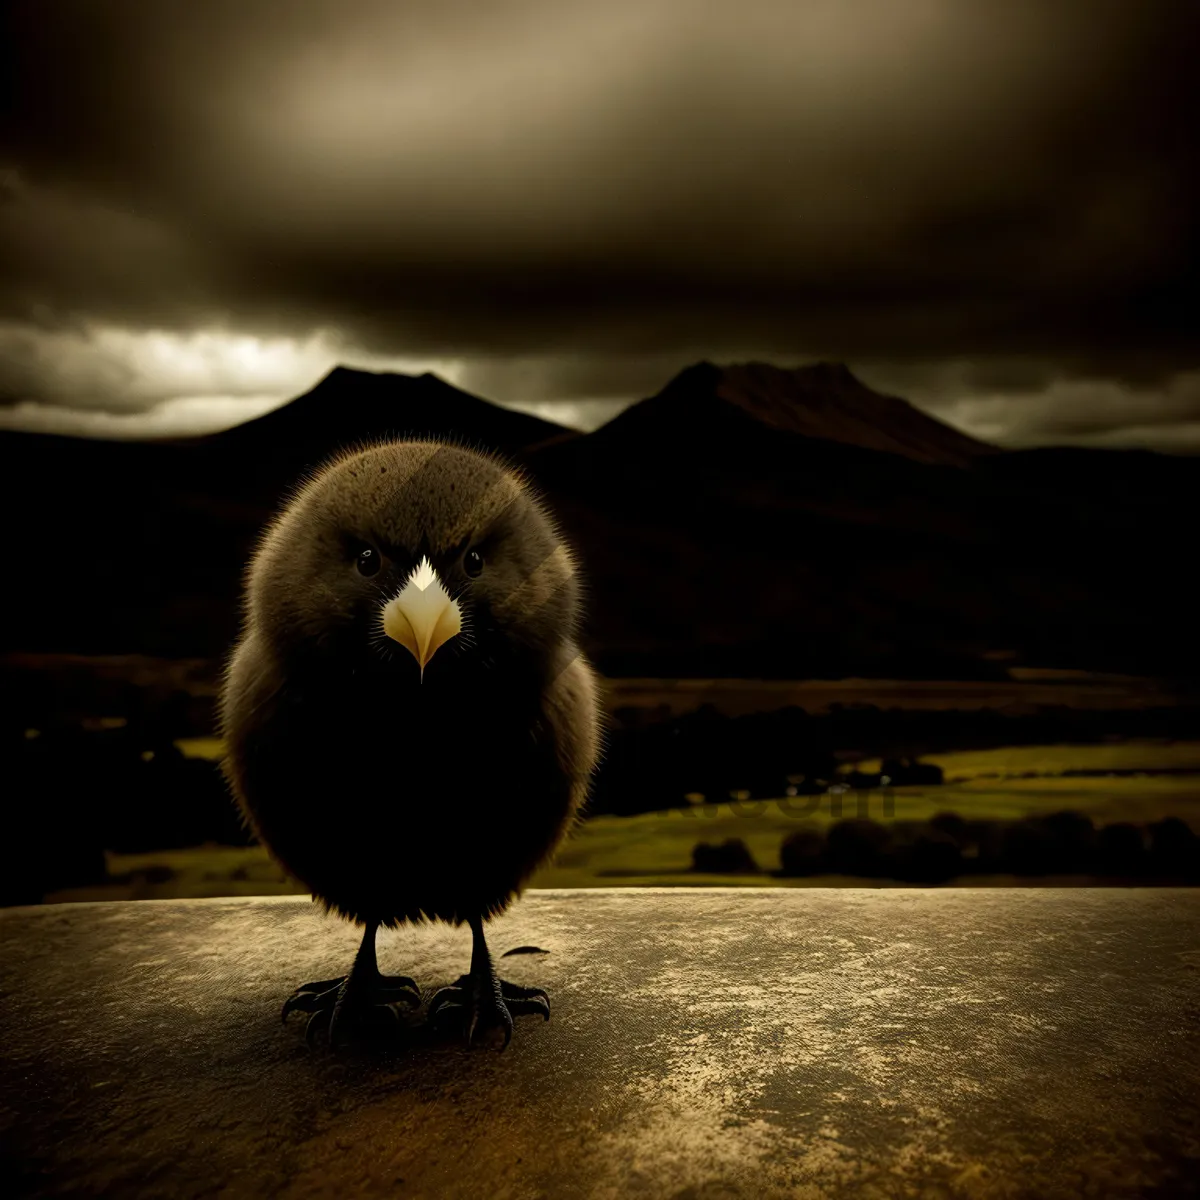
(411, 549)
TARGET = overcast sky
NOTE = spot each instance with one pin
(986, 206)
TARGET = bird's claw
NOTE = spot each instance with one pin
(332, 1004)
(488, 1004)
(340, 1026)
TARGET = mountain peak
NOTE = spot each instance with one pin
(350, 406)
(827, 374)
(823, 400)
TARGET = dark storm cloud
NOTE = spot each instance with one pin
(67, 257)
(573, 200)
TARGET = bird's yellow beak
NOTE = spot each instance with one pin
(422, 616)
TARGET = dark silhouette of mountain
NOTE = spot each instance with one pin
(350, 406)
(724, 530)
(156, 534)
(823, 400)
(745, 520)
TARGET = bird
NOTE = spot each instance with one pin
(411, 727)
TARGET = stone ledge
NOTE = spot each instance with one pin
(705, 1043)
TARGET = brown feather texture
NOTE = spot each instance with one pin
(398, 789)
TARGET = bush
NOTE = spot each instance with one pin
(984, 849)
(1121, 849)
(906, 772)
(858, 846)
(931, 856)
(1072, 841)
(951, 824)
(731, 857)
(1026, 848)
(1174, 849)
(802, 853)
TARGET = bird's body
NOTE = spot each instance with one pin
(400, 781)
(436, 800)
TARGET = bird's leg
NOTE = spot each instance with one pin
(351, 1000)
(484, 1000)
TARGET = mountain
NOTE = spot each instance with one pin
(741, 521)
(745, 520)
(823, 400)
(349, 406)
(150, 538)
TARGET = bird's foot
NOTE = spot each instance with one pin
(353, 1008)
(488, 1004)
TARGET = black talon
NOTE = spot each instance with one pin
(535, 1004)
(514, 991)
(323, 1016)
(505, 1022)
(485, 1000)
(349, 1001)
(402, 987)
(323, 985)
(312, 997)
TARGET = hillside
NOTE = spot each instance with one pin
(825, 401)
(739, 541)
(156, 534)
(745, 520)
(350, 406)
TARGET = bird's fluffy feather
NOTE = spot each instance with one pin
(391, 798)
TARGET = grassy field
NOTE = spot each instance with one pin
(1009, 762)
(655, 849)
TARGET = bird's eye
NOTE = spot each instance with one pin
(368, 562)
(473, 563)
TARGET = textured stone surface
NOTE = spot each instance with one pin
(704, 1043)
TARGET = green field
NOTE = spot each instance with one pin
(655, 849)
(1147, 754)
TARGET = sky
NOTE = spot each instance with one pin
(985, 206)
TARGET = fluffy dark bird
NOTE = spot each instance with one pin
(411, 726)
